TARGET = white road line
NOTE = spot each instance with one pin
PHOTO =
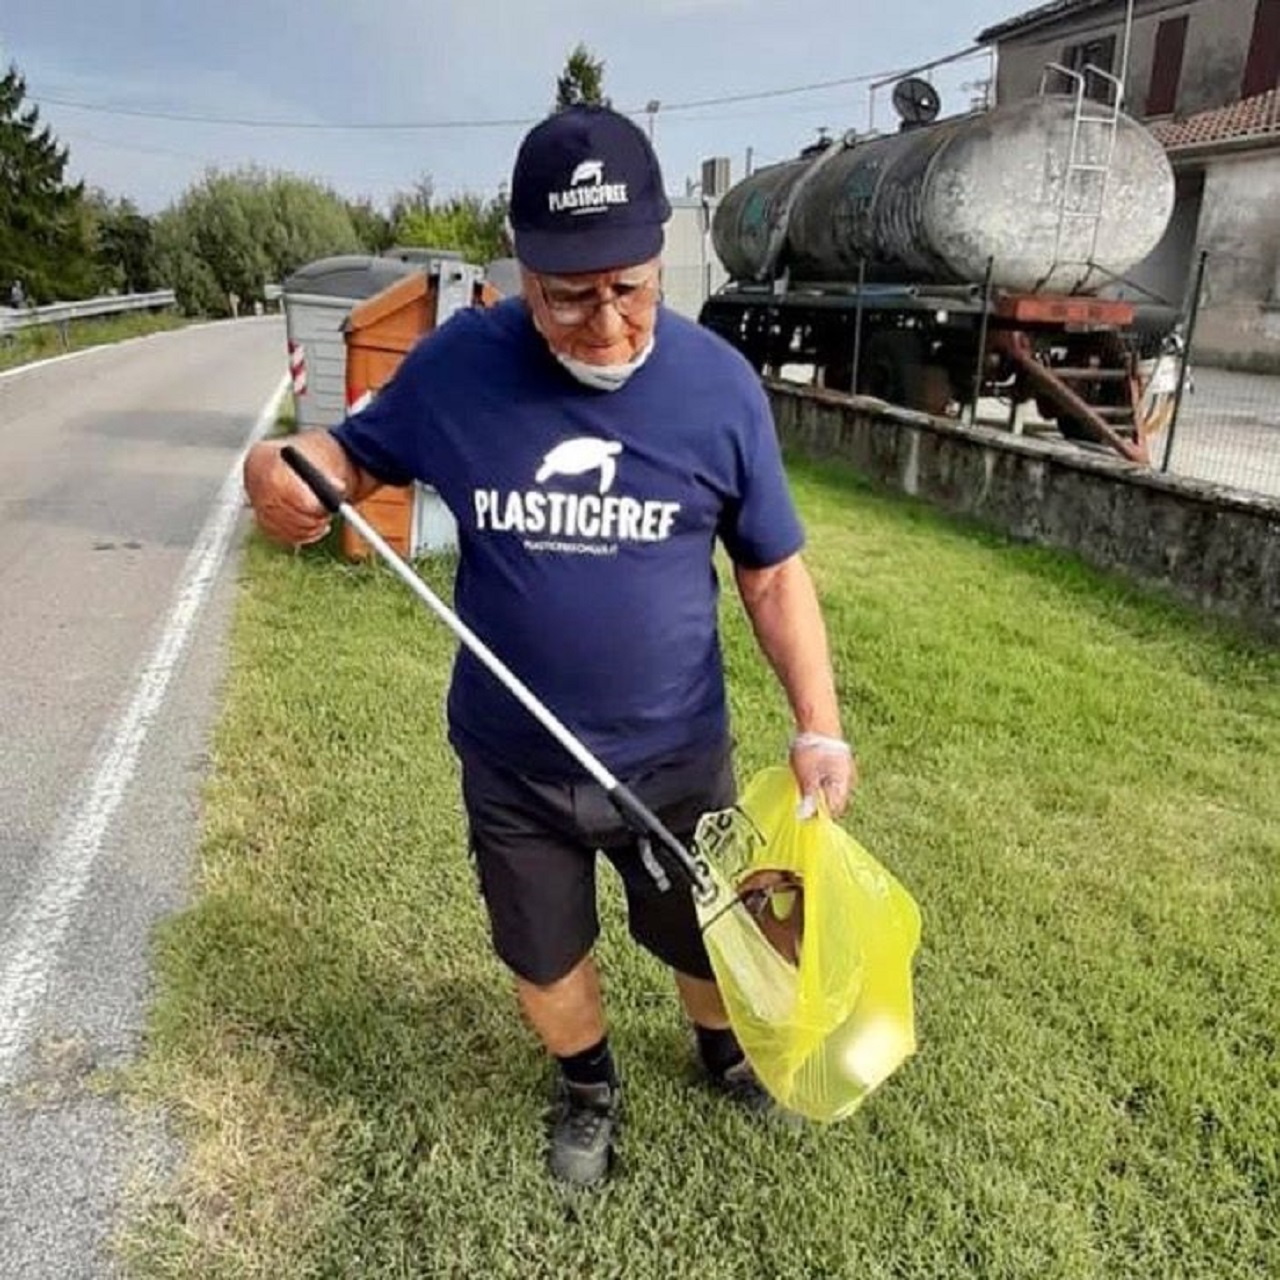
(43, 917)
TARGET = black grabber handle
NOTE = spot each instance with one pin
(634, 812)
(314, 479)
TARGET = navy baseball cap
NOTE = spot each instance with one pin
(586, 194)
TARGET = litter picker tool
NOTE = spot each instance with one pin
(809, 938)
(632, 808)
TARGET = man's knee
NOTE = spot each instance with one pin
(543, 970)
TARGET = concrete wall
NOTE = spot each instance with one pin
(1215, 548)
(1213, 60)
(1240, 228)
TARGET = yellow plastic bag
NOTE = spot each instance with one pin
(811, 941)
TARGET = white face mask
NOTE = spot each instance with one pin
(603, 377)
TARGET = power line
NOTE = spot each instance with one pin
(972, 52)
(242, 122)
(666, 108)
(771, 93)
(836, 110)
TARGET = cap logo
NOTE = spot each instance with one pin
(588, 171)
(587, 191)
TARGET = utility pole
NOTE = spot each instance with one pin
(652, 108)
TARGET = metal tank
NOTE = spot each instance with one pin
(1057, 202)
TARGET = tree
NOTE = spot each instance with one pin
(415, 199)
(124, 242)
(582, 80)
(374, 229)
(233, 233)
(45, 228)
(468, 223)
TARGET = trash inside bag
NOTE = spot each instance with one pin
(811, 941)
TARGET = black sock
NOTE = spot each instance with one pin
(591, 1066)
(719, 1049)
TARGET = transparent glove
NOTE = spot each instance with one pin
(823, 767)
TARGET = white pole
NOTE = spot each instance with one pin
(1124, 55)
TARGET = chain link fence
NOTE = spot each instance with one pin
(1225, 424)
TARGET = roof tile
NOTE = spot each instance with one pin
(1250, 117)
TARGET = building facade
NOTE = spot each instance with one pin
(1184, 56)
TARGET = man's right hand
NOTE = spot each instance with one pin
(285, 507)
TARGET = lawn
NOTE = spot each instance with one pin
(1078, 784)
(27, 345)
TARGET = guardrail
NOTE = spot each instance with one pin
(61, 313)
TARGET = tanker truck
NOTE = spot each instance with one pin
(963, 258)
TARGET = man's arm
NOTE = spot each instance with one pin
(285, 508)
(783, 607)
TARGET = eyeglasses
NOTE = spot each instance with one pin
(569, 306)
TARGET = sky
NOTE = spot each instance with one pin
(465, 80)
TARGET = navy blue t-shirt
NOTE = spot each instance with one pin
(586, 526)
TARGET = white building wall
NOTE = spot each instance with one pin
(691, 269)
(1240, 230)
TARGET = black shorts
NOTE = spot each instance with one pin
(535, 845)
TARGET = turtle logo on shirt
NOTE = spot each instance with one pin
(576, 519)
(578, 456)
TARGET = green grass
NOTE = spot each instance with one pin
(27, 345)
(1077, 783)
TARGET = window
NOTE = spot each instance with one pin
(1263, 68)
(1100, 53)
(1166, 66)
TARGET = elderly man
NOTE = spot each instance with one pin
(593, 447)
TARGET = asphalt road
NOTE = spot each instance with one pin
(119, 507)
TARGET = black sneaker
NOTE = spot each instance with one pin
(740, 1084)
(583, 1123)
(742, 1087)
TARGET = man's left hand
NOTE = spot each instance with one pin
(823, 766)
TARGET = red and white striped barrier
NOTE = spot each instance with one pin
(298, 367)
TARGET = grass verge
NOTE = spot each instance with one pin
(1077, 783)
(28, 345)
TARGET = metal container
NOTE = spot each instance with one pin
(318, 297)
(1056, 202)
